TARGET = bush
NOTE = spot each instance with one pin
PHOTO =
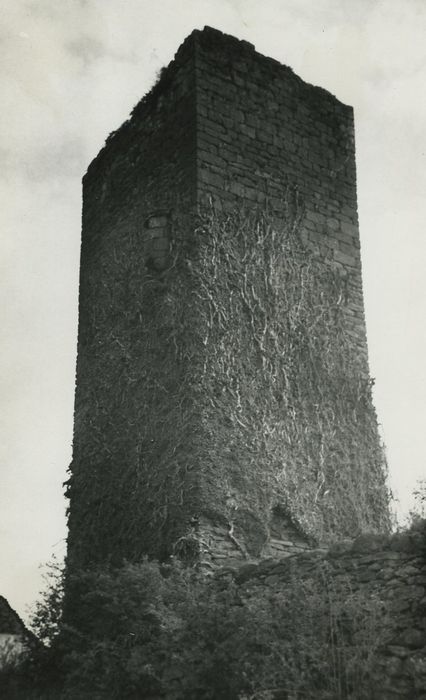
(152, 631)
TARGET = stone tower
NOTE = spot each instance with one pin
(223, 406)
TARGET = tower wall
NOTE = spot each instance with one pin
(144, 174)
(219, 234)
(260, 128)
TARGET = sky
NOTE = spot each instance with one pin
(71, 71)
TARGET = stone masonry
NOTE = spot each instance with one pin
(259, 127)
(152, 473)
(391, 570)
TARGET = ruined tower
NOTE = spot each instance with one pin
(223, 406)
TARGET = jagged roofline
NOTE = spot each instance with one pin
(147, 102)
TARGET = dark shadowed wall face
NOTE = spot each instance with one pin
(145, 172)
(223, 406)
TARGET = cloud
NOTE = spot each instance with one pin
(58, 65)
(87, 48)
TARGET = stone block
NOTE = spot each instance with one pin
(370, 542)
(349, 228)
(344, 259)
(333, 224)
(348, 249)
(315, 217)
(210, 178)
(247, 131)
(157, 222)
(246, 572)
(237, 188)
(212, 158)
(412, 639)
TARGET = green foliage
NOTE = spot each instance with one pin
(47, 615)
(161, 631)
(418, 512)
(11, 658)
(416, 515)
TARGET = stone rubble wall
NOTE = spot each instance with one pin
(393, 569)
(220, 546)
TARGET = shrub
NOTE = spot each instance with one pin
(151, 631)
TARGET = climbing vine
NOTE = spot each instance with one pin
(225, 386)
